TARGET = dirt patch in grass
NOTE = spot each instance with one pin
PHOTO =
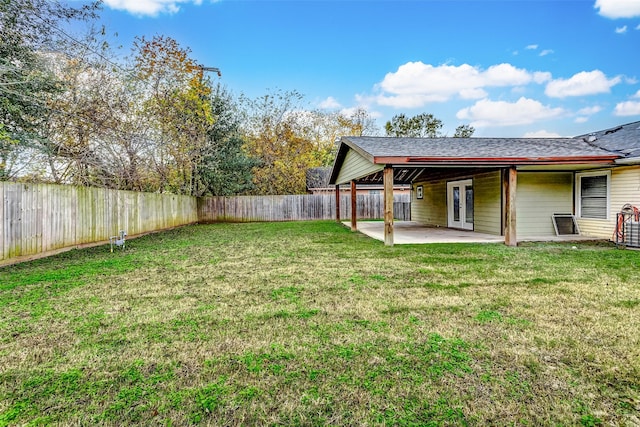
(310, 324)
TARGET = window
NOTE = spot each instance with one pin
(593, 195)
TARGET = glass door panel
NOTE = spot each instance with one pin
(460, 204)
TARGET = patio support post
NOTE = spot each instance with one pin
(337, 203)
(388, 205)
(354, 207)
(511, 181)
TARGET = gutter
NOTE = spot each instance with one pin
(628, 161)
(495, 161)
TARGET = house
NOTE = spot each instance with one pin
(503, 186)
(318, 183)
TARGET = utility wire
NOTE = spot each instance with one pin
(81, 44)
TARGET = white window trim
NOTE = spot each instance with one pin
(579, 176)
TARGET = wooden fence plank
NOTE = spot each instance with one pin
(302, 207)
(46, 217)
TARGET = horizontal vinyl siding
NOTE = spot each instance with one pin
(432, 209)
(624, 188)
(487, 203)
(355, 166)
(540, 195)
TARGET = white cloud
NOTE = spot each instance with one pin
(546, 52)
(636, 95)
(583, 114)
(583, 83)
(541, 76)
(618, 8)
(329, 104)
(350, 111)
(415, 84)
(148, 7)
(501, 113)
(627, 108)
(541, 134)
(588, 111)
(638, 27)
(621, 30)
(532, 47)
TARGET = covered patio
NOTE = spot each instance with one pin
(464, 189)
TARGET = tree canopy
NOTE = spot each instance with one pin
(422, 126)
(72, 113)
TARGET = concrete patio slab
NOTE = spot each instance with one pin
(411, 232)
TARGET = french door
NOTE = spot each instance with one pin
(460, 204)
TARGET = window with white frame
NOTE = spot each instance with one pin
(593, 195)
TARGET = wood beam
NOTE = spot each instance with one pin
(354, 207)
(337, 203)
(388, 205)
(511, 179)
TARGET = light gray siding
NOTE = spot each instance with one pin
(432, 208)
(487, 203)
(624, 188)
(540, 195)
(355, 166)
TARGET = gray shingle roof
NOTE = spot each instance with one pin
(318, 177)
(476, 148)
(624, 140)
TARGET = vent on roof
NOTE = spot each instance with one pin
(613, 130)
(589, 138)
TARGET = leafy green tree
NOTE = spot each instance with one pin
(421, 126)
(464, 131)
(226, 169)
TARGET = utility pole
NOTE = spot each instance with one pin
(212, 69)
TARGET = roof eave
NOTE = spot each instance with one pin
(628, 161)
(494, 161)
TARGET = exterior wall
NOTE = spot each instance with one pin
(432, 208)
(487, 203)
(355, 166)
(540, 195)
(624, 188)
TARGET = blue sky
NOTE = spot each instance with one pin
(509, 68)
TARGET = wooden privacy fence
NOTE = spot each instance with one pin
(302, 207)
(40, 218)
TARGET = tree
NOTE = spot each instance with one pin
(287, 140)
(226, 169)
(178, 108)
(464, 131)
(27, 28)
(421, 126)
(358, 123)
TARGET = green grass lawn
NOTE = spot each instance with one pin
(310, 324)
